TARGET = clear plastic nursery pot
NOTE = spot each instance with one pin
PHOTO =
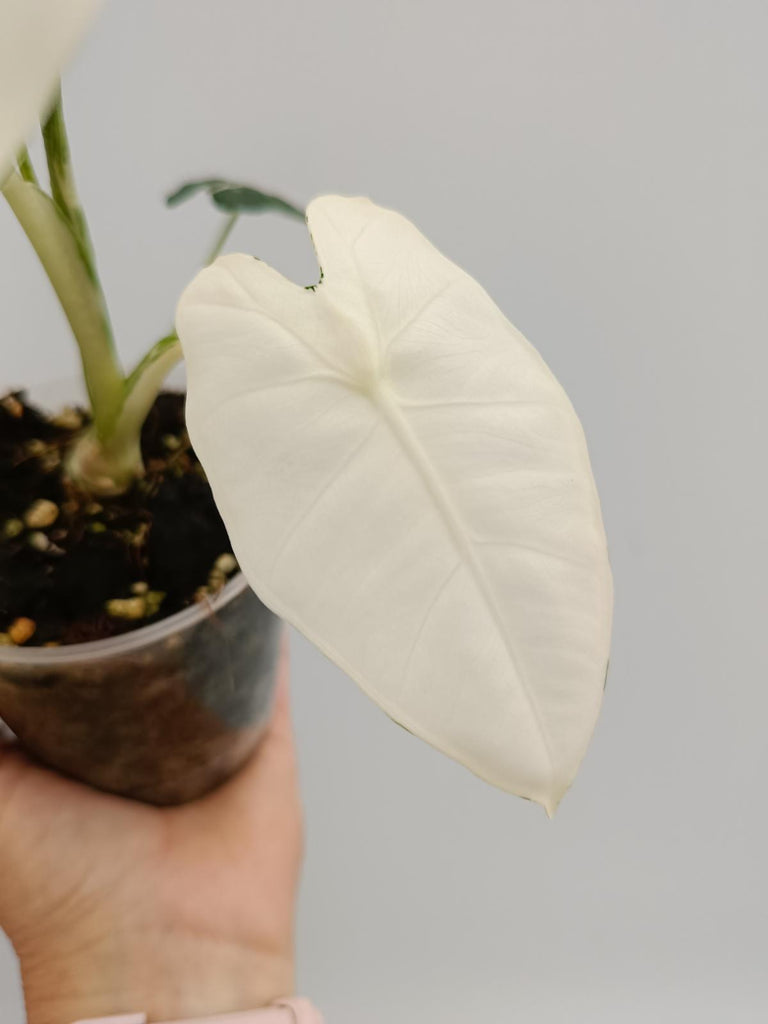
(162, 714)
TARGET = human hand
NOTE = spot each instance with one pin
(114, 906)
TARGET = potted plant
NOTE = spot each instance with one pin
(402, 479)
(133, 654)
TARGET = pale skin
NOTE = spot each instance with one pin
(114, 906)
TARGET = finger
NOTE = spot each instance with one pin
(14, 767)
(10, 751)
(269, 775)
(259, 811)
(280, 724)
(276, 750)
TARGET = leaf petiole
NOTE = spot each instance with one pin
(222, 237)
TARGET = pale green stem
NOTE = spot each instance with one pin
(107, 458)
(146, 378)
(80, 298)
(110, 466)
(222, 237)
(63, 188)
(145, 381)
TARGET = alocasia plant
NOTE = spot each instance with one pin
(404, 480)
(402, 477)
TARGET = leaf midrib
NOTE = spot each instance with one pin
(386, 402)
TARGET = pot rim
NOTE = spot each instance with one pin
(129, 642)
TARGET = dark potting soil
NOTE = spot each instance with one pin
(103, 566)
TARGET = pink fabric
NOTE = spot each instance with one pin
(284, 1011)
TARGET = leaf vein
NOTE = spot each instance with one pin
(461, 538)
(427, 615)
(317, 498)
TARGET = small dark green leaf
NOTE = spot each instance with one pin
(191, 188)
(234, 198)
(243, 199)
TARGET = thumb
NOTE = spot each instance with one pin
(268, 782)
(272, 767)
(13, 761)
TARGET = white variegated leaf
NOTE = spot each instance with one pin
(37, 38)
(404, 480)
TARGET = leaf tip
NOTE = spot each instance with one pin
(550, 806)
(551, 800)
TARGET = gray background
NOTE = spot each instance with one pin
(600, 165)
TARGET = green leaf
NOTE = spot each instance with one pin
(191, 188)
(234, 198)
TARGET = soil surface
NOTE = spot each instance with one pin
(75, 568)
